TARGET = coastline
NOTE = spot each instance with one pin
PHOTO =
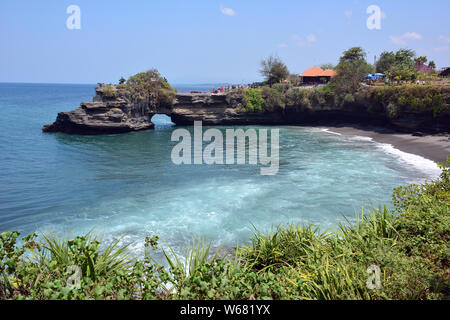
(435, 147)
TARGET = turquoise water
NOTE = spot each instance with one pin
(127, 184)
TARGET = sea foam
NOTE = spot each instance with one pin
(426, 165)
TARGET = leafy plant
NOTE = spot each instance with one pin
(84, 252)
(151, 88)
(110, 92)
(253, 100)
(409, 244)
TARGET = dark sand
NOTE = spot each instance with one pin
(435, 147)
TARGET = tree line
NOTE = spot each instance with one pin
(352, 67)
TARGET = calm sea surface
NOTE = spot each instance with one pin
(127, 185)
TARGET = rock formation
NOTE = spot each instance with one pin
(103, 115)
(117, 113)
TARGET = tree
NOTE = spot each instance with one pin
(386, 61)
(401, 72)
(328, 66)
(353, 54)
(432, 65)
(403, 67)
(405, 57)
(274, 70)
(421, 60)
(351, 70)
(151, 88)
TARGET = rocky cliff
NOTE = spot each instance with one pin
(103, 115)
(117, 113)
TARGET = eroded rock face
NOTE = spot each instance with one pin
(103, 116)
(216, 110)
(117, 113)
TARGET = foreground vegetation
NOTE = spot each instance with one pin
(409, 244)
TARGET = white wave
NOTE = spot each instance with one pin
(360, 138)
(426, 165)
(212, 213)
(331, 132)
(429, 167)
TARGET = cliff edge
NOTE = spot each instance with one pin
(113, 110)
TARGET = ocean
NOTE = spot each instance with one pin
(126, 185)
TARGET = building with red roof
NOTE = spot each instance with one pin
(421, 67)
(316, 75)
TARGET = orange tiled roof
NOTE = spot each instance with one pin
(329, 73)
(312, 72)
(319, 72)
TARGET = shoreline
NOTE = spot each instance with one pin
(435, 147)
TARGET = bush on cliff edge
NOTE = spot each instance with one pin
(151, 88)
(392, 101)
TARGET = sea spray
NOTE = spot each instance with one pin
(214, 153)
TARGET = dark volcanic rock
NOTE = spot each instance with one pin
(215, 110)
(103, 116)
(119, 114)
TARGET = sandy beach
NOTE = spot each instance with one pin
(435, 147)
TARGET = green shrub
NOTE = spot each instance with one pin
(349, 98)
(274, 98)
(431, 99)
(110, 92)
(281, 87)
(253, 100)
(151, 88)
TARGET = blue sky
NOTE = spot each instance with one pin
(205, 41)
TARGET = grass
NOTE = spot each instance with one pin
(408, 244)
(195, 257)
(85, 251)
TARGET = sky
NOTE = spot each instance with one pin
(205, 41)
